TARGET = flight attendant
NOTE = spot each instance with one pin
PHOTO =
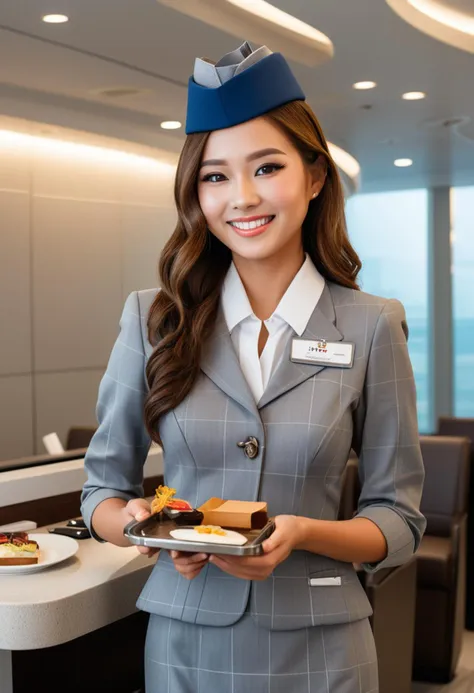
(258, 366)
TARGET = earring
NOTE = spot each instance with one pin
(314, 195)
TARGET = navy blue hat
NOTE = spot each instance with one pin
(244, 84)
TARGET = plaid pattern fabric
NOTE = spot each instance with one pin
(307, 420)
(243, 658)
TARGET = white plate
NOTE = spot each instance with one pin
(230, 537)
(54, 548)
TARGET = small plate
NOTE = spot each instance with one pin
(54, 548)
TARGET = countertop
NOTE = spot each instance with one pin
(22, 485)
(97, 586)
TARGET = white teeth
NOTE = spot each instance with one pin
(247, 225)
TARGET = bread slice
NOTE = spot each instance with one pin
(18, 560)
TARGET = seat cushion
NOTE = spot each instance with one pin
(435, 562)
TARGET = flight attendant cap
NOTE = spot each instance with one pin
(242, 85)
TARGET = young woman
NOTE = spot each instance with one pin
(260, 336)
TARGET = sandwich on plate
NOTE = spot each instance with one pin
(17, 549)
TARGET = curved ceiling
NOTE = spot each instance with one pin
(451, 21)
(263, 23)
(119, 72)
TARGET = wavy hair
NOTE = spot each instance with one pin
(194, 262)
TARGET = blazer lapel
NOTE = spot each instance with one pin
(220, 363)
(287, 374)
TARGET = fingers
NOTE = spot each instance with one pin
(184, 558)
(147, 551)
(139, 509)
(271, 544)
(189, 565)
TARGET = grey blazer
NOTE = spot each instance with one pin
(306, 422)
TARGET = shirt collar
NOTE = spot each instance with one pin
(295, 308)
(301, 298)
(234, 299)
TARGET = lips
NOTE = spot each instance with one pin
(251, 226)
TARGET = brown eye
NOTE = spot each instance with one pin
(211, 178)
(269, 168)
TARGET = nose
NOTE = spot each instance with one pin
(244, 194)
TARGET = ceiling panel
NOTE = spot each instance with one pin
(152, 49)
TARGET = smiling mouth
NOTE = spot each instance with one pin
(251, 225)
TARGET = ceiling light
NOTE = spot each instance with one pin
(344, 160)
(170, 124)
(349, 168)
(262, 23)
(437, 19)
(77, 151)
(270, 13)
(403, 163)
(55, 18)
(413, 95)
(364, 85)
(445, 15)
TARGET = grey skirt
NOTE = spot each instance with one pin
(244, 658)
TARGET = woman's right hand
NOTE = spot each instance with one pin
(189, 565)
(139, 509)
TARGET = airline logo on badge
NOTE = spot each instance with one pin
(319, 352)
(320, 348)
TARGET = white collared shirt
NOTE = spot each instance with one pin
(291, 317)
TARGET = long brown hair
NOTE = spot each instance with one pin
(194, 262)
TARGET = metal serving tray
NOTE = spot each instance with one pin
(156, 534)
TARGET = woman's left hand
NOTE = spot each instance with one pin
(285, 538)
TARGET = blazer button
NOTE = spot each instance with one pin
(250, 447)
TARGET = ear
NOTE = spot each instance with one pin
(318, 173)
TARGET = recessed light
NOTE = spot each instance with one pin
(364, 85)
(170, 124)
(414, 95)
(403, 163)
(55, 18)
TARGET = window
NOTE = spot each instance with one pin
(390, 233)
(462, 201)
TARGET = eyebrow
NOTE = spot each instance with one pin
(251, 157)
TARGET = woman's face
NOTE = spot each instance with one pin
(254, 190)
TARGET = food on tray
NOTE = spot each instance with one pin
(178, 504)
(235, 513)
(163, 494)
(166, 507)
(209, 535)
(184, 517)
(210, 529)
(16, 548)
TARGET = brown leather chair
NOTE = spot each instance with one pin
(440, 602)
(79, 437)
(392, 595)
(449, 426)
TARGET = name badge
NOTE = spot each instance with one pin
(321, 353)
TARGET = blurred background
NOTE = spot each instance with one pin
(92, 111)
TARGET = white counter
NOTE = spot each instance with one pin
(22, 485)
(98, 586)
